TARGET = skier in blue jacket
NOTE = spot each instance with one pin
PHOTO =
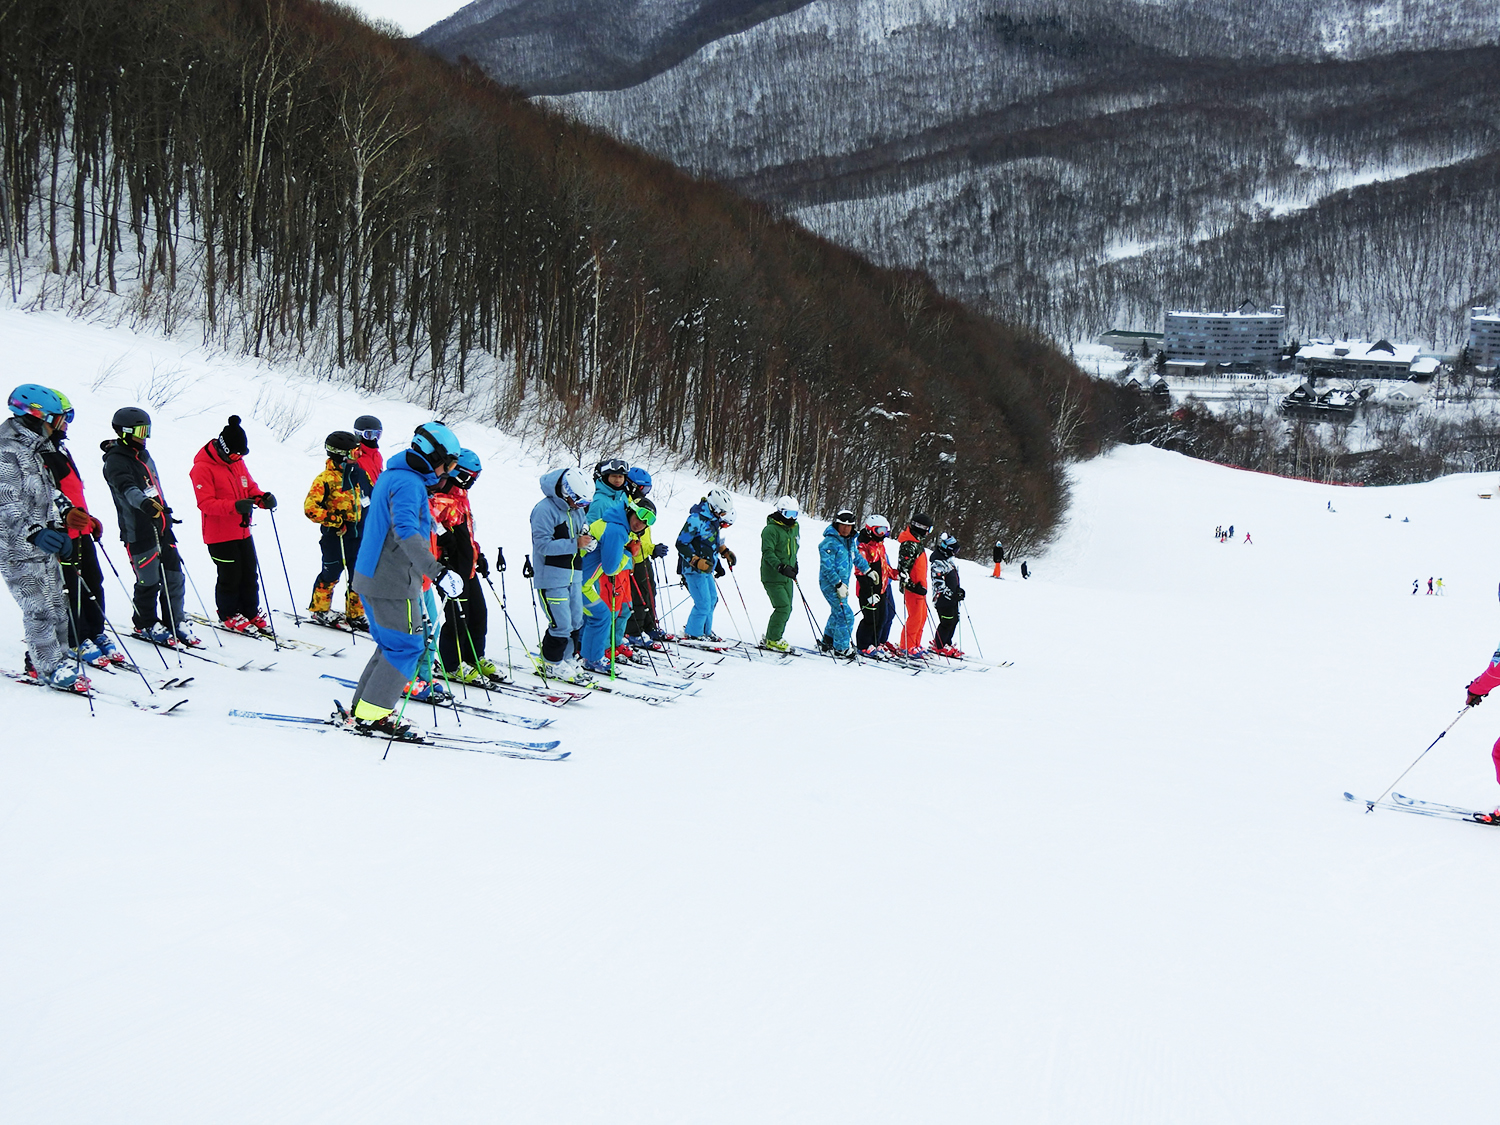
(838, 558)
(699, 545)
(559, 541)
(395, 554)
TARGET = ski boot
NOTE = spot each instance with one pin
(157, 634)
(775, 646)
(89, 653)
(487, 668)
(326, 617)
(388, 726)
(186, 638)
(107, 649)
(239, 623)
(261, 624)
(431, 691)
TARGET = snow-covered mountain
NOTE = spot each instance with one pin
(1079, 164)
(1114, 882)
(560, 46)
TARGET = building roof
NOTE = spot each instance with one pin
(1355, 351)
(1237, 314)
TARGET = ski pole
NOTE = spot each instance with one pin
(284, 572)
(508, 621)
(260, 574)
(727, 609)
(812, 622)
(504, 608)
(130, 598)
(636, 586)
(82, 586)
(969, 617)
(76, 624)
(165, 593)
(203, 607)
(528, 573)
(348, 583)
(1370, 805)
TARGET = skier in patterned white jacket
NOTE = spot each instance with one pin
(33, 535)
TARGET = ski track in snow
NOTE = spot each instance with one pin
(1116, 882)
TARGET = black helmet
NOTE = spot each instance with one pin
(368, 429)
(921, 524)
(131, 421)
(339, 444)
(611, 465)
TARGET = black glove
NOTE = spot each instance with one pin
(244, 507)
(718, 570)
(482, 565)
(267, 501)
(961, 595)
(788, 569)
(526, 571)
(917, 588)
(152, 506)
(1475, 700)
(51, 541)
(659, 551)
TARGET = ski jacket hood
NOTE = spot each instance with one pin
(701, 535)
(217, 484)
(556, 561)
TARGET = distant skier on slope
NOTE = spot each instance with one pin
(699, 547)
(911, 562)
(559, 540)
(779, 542)
(998, 555)
(33, 538)
(873, 585)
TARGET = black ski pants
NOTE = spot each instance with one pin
(85, 587)
(238, 589)
(947, 615)
(465, 622)
(642, 600)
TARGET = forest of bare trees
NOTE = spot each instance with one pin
(308, 186)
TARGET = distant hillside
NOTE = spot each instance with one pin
(562, 46)
(1077, 165)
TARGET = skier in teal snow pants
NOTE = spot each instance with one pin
(838, 558)
(778, 568)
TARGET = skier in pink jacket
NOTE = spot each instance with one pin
(1479, 687)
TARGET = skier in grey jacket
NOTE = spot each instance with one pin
(34, 536)
(559, 540)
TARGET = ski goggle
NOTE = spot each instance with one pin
(788, 513)
(368, 435)
(463, 477)
(140, 433)
(645, 515)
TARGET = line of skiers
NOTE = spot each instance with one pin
(593, 546)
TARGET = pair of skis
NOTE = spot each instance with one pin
(275, 638)
(505, 748)
(465, 706)
(156, 707)
(1399, 802)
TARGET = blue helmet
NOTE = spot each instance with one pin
(467, 470)
(638, 482)
(39, 402)
(436, 442)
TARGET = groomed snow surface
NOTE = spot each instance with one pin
(1114, 883)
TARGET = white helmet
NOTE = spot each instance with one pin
(877, 524)
(788, 507)
(721, 504)
(575, 489)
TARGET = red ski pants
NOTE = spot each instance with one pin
(916, 621)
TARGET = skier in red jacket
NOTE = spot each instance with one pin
(1479, 687)
(911, 563)
(367, 455)
(226, 495)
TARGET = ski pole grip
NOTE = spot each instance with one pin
(500, 557)
(526, 571)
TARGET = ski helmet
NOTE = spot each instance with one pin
(878, 525)
(467, 470)
(340, 444)
(787, 507)
(721, 504)
(643, 509)
(946, 544)
(575, 489)
(436, 442)
(368, 429)
(638, 482)
(133, 422)
(920, 525)
(67, 409)
(845, 515)
(36, 401)
(609, 466)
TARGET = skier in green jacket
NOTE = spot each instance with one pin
(778, 568)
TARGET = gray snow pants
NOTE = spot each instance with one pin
(38, 589)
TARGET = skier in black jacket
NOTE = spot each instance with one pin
(146, 530)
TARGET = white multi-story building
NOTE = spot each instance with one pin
(1484, 335)
(1247, 335)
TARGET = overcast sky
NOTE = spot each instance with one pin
(411, 16)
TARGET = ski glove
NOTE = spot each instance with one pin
(52, 542)
(873, 601)
(243, 506)
(917, 588)
(703, 566)
(482, 566)
(451, 583)
(718, 571)
(1475, 700)
(729, 556)
(842, 591)
(267, 501)
(659, 551)
(961, 595)
(96, 529)
(788, 569)
(152, 506)
(78, 520)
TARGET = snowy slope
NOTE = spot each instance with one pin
(1115, 882)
